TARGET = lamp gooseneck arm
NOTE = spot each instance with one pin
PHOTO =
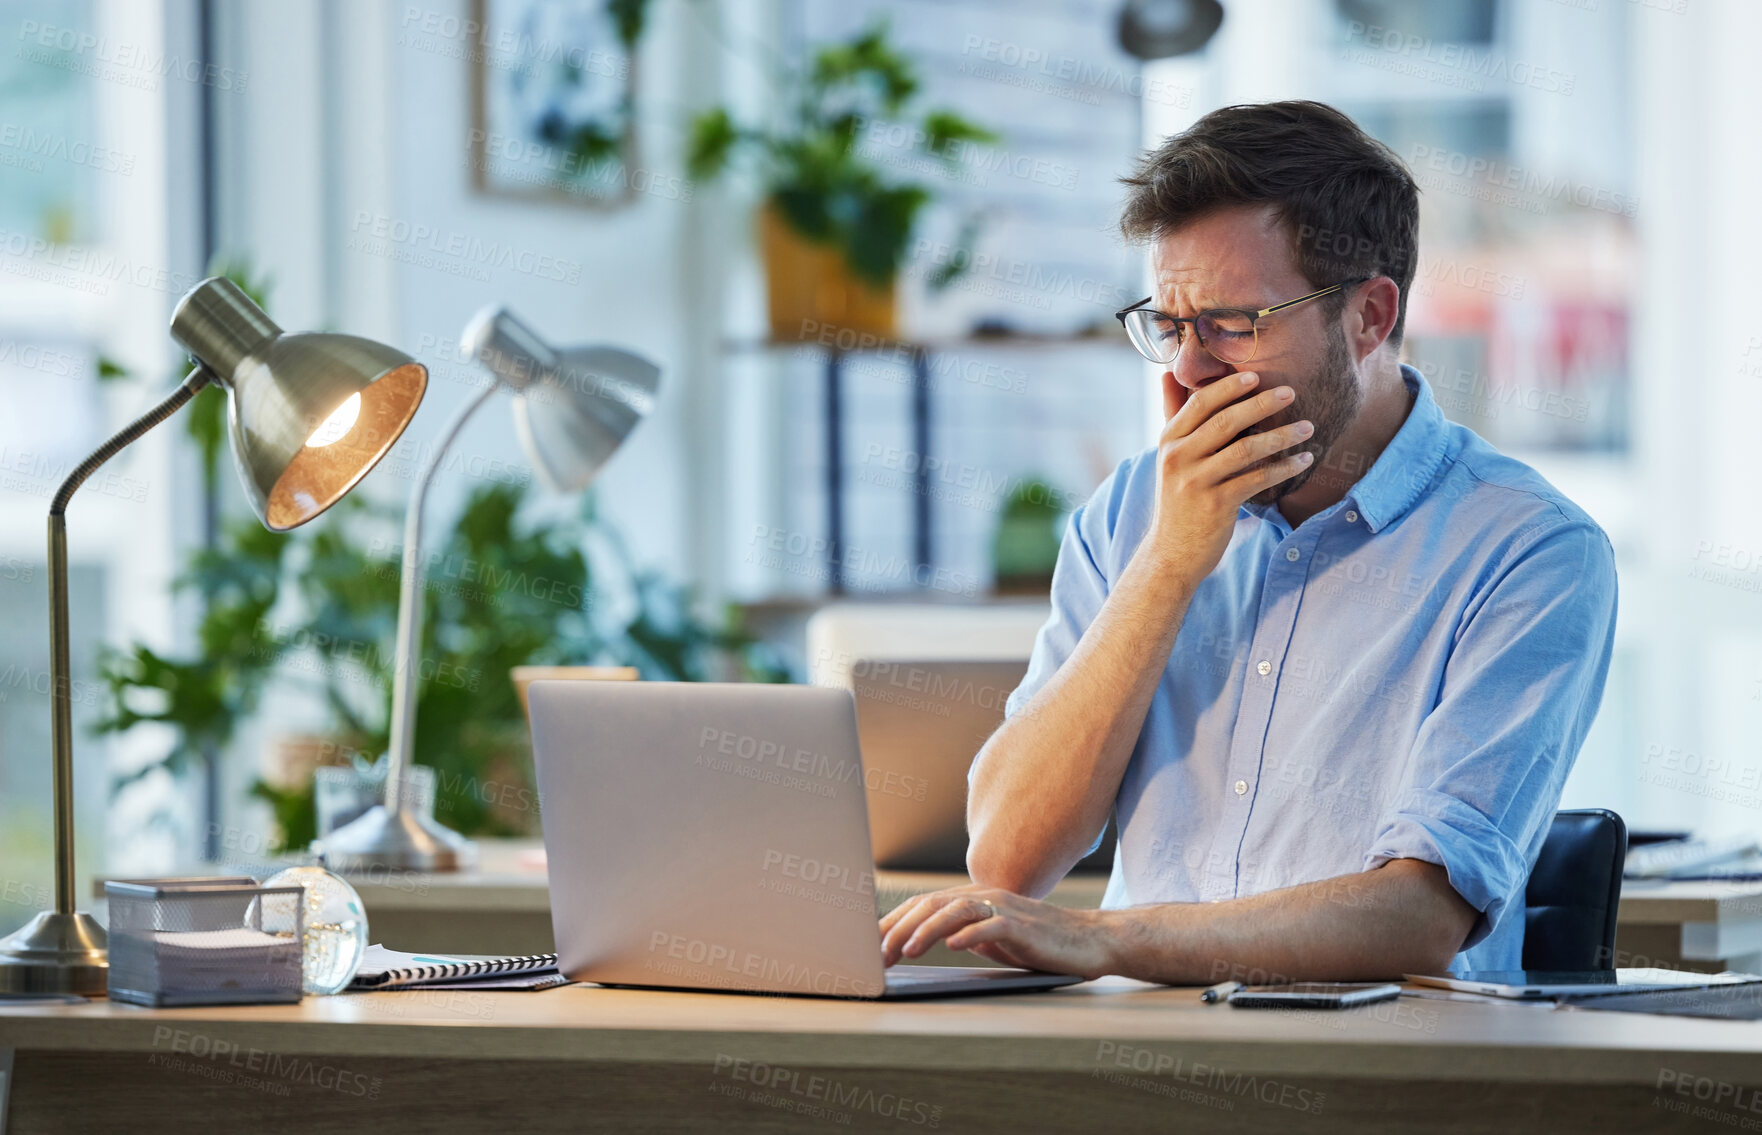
(60, 668)
(409, 645)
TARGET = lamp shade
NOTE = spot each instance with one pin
(308, 414)
(572, 407)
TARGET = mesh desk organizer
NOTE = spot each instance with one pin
(204, 941)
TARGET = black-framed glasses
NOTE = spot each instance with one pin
(1231, 334)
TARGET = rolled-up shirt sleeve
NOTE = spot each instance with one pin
(1519, 692)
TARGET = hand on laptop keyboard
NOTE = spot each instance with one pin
(1001, 926)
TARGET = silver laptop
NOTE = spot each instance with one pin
(704, 836)
(921, 723)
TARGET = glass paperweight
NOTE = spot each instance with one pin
(335, 928)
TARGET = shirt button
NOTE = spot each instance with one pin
(1351, 517)
(1263, 667)
(1292, 554)
(1241, 788)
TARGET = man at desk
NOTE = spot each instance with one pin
(1326, 656)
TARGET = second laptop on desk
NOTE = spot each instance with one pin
(703, 836)
(921, 722)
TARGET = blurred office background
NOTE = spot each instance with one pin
(1587, 299)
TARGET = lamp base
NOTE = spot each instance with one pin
(56, 953)
(396, 841)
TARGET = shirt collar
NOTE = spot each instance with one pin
(1406, 468)
(1408, 465)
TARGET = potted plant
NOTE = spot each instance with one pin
(834, 227)
(1025, 548)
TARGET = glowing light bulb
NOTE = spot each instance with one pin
(337, 426)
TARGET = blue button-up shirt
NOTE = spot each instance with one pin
(1408, 674)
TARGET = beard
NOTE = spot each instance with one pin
(1330, 401)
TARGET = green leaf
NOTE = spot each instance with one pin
(592, 143)
(960, 258)
(942, 127)
(628, 16)
(808, 213)
(713, 137)
(296, 815)
(879, 232)
(868, 59)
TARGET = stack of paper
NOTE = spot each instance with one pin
(165, 967)
(239, 958)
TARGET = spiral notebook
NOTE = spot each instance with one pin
(390, 969)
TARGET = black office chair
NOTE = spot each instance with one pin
(1573, 893)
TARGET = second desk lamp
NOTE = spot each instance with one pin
(572, 409)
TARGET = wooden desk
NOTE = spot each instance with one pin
(505, 909)
(1111, 1055)
(1706, 927)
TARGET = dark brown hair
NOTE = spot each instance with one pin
(1350, 204)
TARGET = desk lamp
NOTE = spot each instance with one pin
(572, 409)
(308, 415)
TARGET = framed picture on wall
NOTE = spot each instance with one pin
(553, 94)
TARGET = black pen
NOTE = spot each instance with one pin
(1219, 991)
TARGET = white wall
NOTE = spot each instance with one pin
(1698, 358)
(358, 122)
